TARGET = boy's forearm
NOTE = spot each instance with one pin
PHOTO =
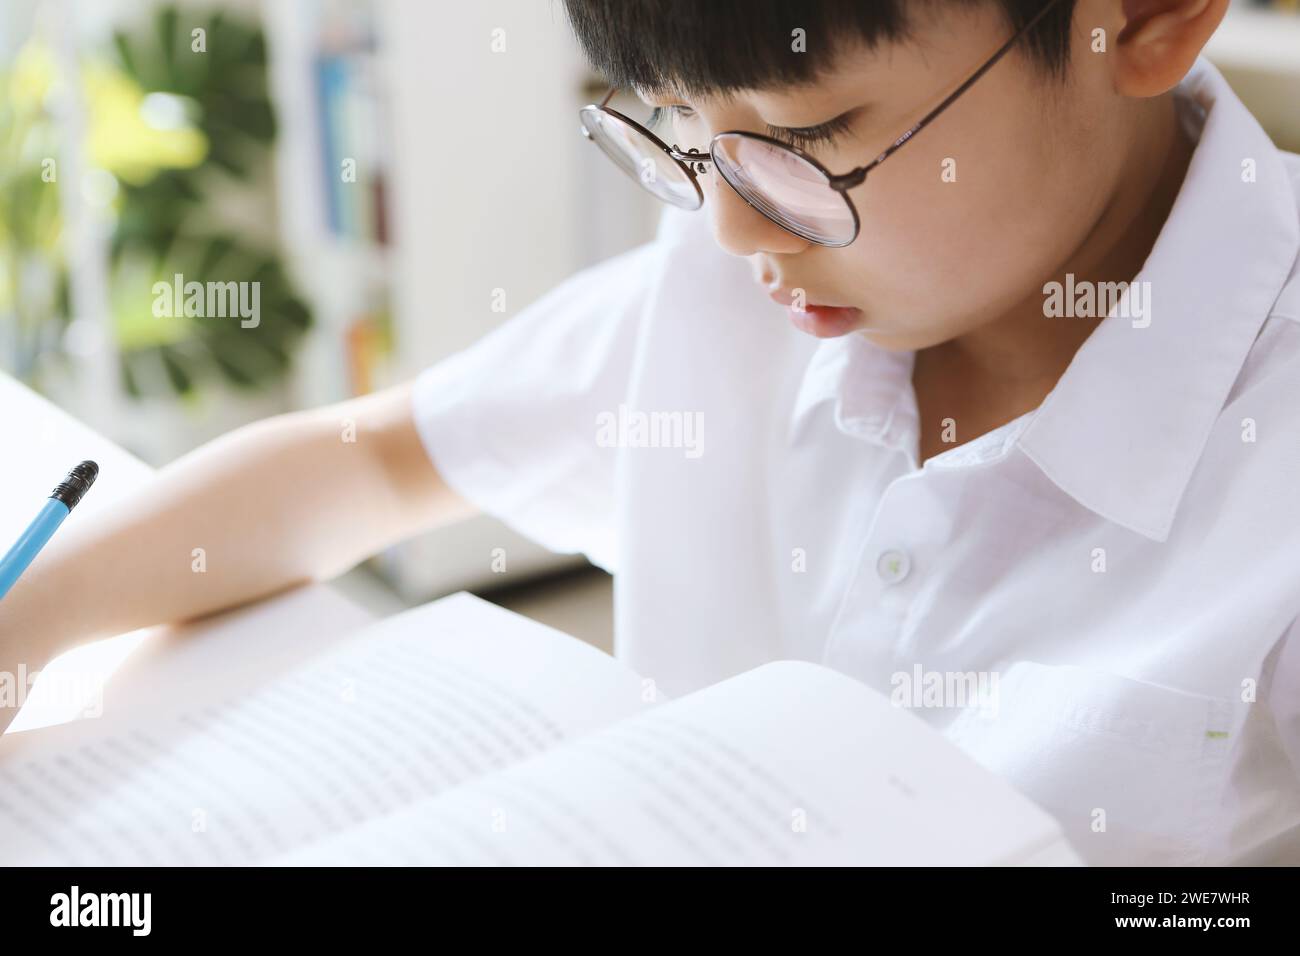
(275, 504)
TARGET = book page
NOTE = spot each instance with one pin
(790, 763)
(163, 670)
(406, 709)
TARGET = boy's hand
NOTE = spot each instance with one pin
(274, 504)
(20, 662)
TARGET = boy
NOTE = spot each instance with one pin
(1028, 418)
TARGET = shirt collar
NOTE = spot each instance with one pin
(870, 389)
(1123, 429)
(1126, 424)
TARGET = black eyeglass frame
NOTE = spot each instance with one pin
(693, 162)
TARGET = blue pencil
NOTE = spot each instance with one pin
(59, 505)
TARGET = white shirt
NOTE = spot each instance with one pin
(1124, 560)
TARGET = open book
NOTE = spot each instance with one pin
(461, 733)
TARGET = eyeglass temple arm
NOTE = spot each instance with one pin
(850, 179)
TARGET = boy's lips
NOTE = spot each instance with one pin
(822, 321)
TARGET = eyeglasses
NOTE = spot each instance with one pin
(781, 181)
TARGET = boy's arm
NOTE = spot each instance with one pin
(273, 504)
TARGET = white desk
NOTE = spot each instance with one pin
(41, 442)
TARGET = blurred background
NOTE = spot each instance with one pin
(334, 152)
(339, 153)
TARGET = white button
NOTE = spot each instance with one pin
(892, 566)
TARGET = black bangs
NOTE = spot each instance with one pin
(704, 47)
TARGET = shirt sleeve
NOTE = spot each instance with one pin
(510, 422)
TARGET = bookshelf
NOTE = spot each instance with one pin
(433, 91)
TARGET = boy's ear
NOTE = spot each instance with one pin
(1159, 42)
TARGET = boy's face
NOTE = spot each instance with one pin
(963, 224)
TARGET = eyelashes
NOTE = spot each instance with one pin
(658, 115)
(804, 137)
(809, 136)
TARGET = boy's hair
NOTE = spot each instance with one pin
(703, 47)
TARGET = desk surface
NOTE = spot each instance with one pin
(42, 442)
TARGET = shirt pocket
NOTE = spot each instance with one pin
(1133, 771)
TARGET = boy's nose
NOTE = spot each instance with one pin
(739, 228)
